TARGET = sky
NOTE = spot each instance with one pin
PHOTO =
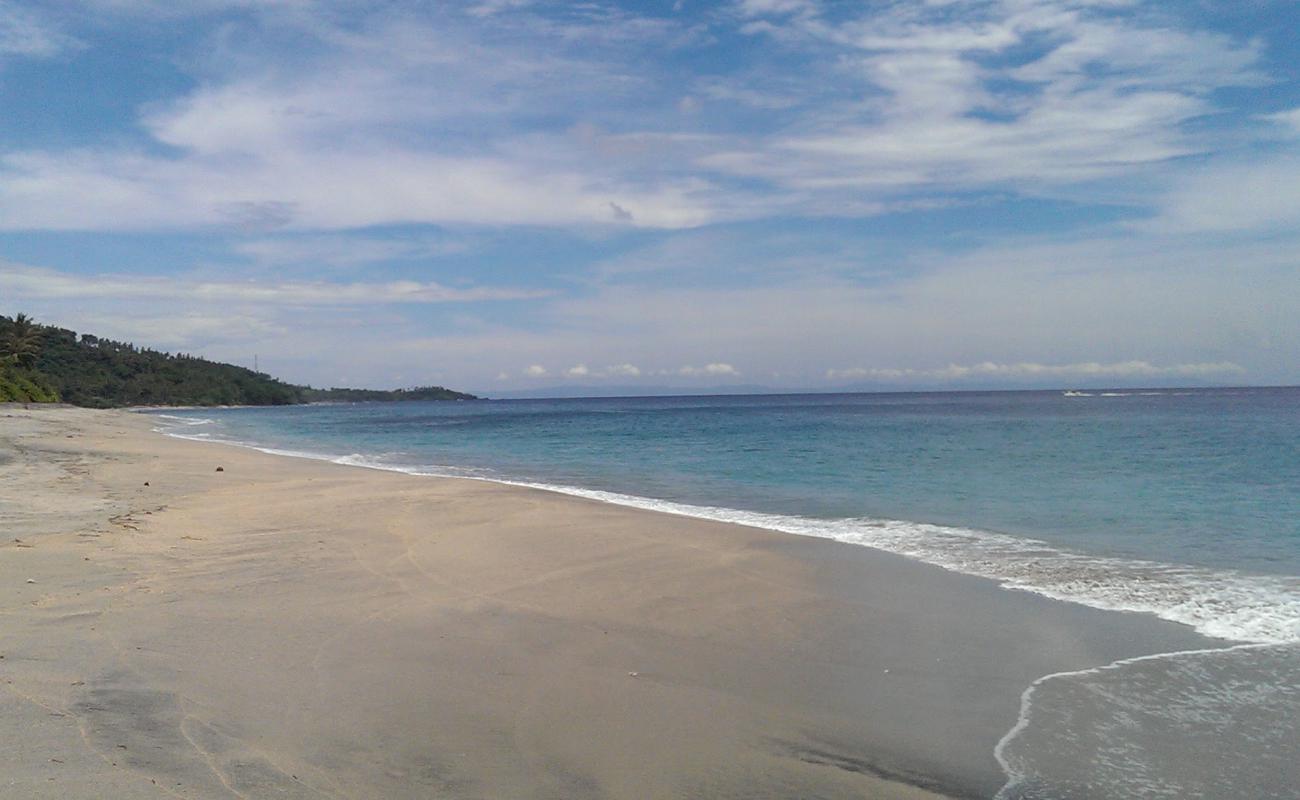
(505, 196)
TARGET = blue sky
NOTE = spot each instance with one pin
(509, 195)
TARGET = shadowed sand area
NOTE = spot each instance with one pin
(290, 628)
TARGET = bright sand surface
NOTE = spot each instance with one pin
(292, 628)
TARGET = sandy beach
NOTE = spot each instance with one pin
(180, 619)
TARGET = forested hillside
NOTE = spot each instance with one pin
(42, 363)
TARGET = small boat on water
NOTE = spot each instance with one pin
(1074, 393)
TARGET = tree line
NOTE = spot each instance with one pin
(43, 363)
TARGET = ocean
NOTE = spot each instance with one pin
(1184, 504)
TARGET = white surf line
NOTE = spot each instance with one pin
(1014, 778)
(680, 509)
(1274, 633)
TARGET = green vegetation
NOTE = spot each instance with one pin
(20, 341)
(20, 345)
(24, 386)
(41, 363)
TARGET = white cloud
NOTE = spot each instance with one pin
(388, 116)
(760, 8)
(1109, 91)
(487, 8)
(316, 188)
(24, 33)
(28, 282)
(715, 369)
(1260, 194)
(623, 371)
(612, 371)
(1023, 370)
(344, 140)
(1289, 119)
(394, 117)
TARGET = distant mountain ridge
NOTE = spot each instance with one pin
(43, 363)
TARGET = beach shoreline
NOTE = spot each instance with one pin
(291, 627)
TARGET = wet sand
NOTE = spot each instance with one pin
(290, 628)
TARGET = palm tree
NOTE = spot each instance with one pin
(22, 343)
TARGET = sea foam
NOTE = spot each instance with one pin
(1225, 604)
(1221, 603)
(1198, 724)
(1190, 725)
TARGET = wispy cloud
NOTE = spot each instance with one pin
(515, 113)
(1288, 119)
(488, 8)
(989, 92)
(623, 371)
(342, 141)
(1053, 183)
(717, 369)
(316, 190)
(611, 371)
(24, 33)
(33, 283)
(774, 8)
(1260, 194)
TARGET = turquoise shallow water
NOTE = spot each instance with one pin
(1184, 504)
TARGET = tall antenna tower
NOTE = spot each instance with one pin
(255, 369)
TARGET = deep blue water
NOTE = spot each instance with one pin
(1170, 478)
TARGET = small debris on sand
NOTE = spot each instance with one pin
(221, 469)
